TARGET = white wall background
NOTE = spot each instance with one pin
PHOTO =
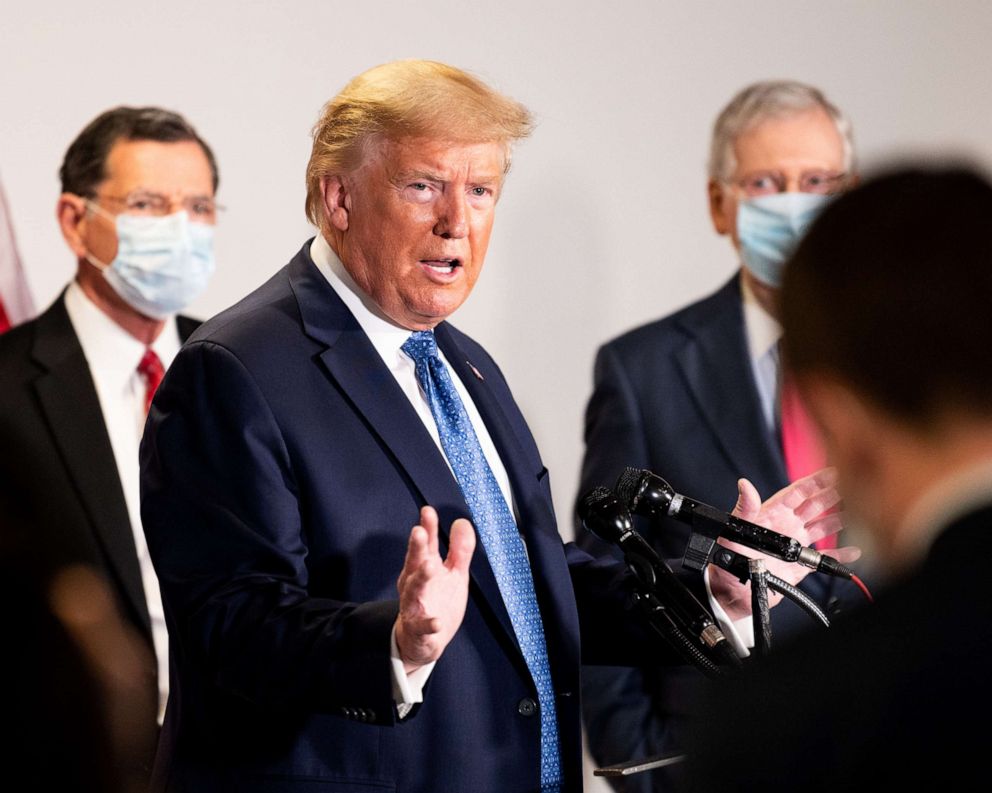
(603, 225)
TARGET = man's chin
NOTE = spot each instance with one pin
(426, 316)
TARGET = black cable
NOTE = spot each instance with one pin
(800, 598)
(737, 564)
(759, 607)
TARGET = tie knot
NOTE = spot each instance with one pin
(421, 346)
(150, 366)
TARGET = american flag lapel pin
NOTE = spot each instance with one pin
(475, 371)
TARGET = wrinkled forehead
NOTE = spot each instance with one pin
(437, 154)
(807, 139)
(169, 168)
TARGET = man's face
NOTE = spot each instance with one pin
(412, 224)
(141, 173)
(800, 153)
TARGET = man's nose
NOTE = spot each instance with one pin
(452, 222)
(793, 183)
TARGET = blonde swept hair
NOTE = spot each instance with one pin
(408, 99)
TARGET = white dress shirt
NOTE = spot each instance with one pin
(388, 338)
(763, 333)
(113, 355)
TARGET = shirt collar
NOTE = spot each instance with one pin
(763, 331)
(386, 336)
(107, 346)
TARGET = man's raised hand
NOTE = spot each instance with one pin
(433, 592)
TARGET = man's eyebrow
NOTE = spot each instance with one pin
(418, 175)
(153, 192)
(429, 176)
(486, 179)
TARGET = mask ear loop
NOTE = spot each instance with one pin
(92, 206)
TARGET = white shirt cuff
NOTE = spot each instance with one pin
(739, 633)
(408, 689)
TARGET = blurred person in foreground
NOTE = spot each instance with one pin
(885, 307)
(72, 673)
(318, 641)
(698, 397)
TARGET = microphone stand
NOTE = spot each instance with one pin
(665, 623)
(759, 607)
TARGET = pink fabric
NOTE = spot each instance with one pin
(801, 446)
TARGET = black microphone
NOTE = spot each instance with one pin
(645, 493)
(606, 517)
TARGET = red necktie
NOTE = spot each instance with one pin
(152, 371)
(801, 445)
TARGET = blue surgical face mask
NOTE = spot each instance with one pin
(769, 229)
(162, 263)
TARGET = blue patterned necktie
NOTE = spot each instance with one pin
(499, 534)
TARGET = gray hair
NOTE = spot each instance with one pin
(763, 101)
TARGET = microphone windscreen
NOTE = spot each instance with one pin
(592, 500)
(627, 485)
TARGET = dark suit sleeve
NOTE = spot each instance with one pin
(614, 435)
(618, 710)
(221, 510)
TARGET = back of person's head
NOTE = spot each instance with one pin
(890, 292)
(763, 101)
(408, 99)
(84, 166)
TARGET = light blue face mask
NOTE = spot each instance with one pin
(769, 229)
(162, 263)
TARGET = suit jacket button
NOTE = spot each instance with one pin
(527, 707)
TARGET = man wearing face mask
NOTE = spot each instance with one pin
(904, 400)
(137, 211)
(698, 396)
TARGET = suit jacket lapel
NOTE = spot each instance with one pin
(716, 365)
(70, 404)
(535, 511)
(357, 368)
(186, 326)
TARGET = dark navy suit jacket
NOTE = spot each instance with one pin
(282, 470)
(677, 397)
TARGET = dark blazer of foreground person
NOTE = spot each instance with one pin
(897, 688)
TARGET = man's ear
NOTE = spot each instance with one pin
(718, 206)
(337, 201)
(71, 213)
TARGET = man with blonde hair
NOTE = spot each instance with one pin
(302, 432)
